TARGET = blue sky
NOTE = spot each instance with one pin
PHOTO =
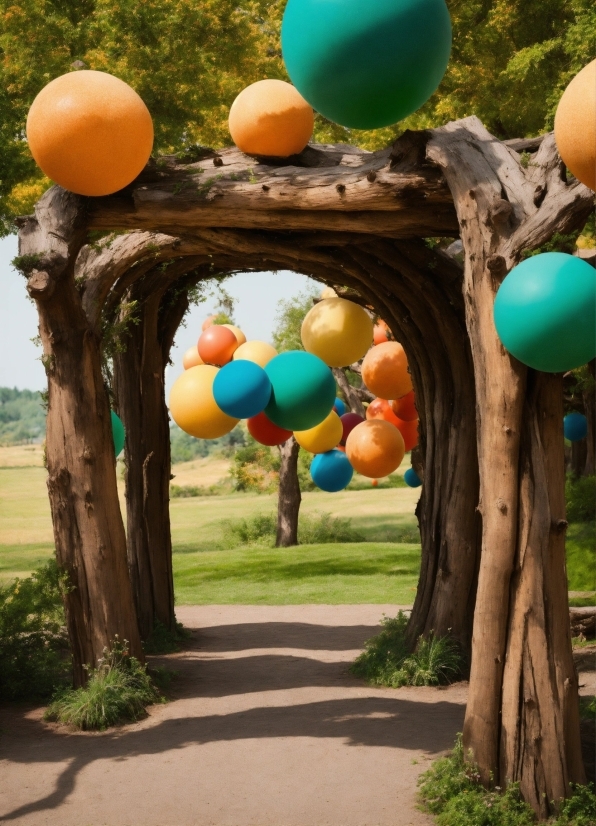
(257, 297)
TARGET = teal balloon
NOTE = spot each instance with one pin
(331, 471)
(118, 433)
(241, 389)
(366, 64)
(302, 390)
(545, 312)
(411, 478)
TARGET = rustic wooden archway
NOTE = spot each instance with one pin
(355, 220)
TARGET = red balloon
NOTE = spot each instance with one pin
(381, 409)
(381, 333)
(405, 408)
(349, 422)
(217, 344)
(265, 432)
(409, 431)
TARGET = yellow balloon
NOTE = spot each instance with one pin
(337, 331)
(322, 437)
(191, 358)
(328, 292)
(257, 351)
(193, 407)
(575, 126)
(240, 337)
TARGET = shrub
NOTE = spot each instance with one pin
(322, 528)
(164, 641)
(451, 790)
(256, 468)
(33, 643)
(387, 660)
(188, 491)
(118, 690)
(316, 528)
(580, 497)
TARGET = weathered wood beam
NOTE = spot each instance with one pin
(380, 193)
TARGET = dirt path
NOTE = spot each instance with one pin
(266, 728)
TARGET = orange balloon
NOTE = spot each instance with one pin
(385, 371)
(381, 333)
(405, 408)
(575, 126)
(409, 431)
(375, 483)
(217, 345)
(191, 358)
(90, 132)
(241, 338)
(375, 448)
(208, 322)
(381, 409)
(193, 406)
(270, 117)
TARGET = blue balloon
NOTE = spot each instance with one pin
(242, 389)
(545, 312)
(331, 471)
(411, 478)
(339, 407)
(575, 427)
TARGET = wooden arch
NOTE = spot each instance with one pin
(490, 428)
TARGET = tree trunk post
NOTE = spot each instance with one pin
(289, 496)
(522, 722)
(88, 527)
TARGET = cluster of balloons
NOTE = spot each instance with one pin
(545, 310)
(361, 66)
(228, 378)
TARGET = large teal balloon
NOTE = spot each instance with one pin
(303, 390)
(545, 312)
(118, 433)
(366, 63)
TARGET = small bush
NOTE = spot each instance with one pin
(580, 497)
(313, 529)
(33, 643)
(387, 660)
(322, 528)
(256, 468)
(451, 790)
(118, 691)
(164, 641)
(396, 480)
(189, 491)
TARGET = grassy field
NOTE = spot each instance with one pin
(207, 570)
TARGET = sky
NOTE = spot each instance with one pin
(256, 295)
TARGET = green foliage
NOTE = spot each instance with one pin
(164, 641)
(313, 529)
(191, 491)
(558, 243)
(580, 549)
(587, 705)
(22, 417)
(25, 264)
(387, 660)
(580, 499)
(185, 448)
(118, 691)
(289, 318)
(33, 645)
(451, 790)
(255, 467)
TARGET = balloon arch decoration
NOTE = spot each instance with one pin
(490, 447)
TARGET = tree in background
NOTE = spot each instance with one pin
(510, 63)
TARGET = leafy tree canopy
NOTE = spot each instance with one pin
(290, 315)
(510, 63)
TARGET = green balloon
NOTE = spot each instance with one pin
(366, 64)
(303, 390)
(118, 433)
(545, 312)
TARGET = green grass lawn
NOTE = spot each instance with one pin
(382, 569)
